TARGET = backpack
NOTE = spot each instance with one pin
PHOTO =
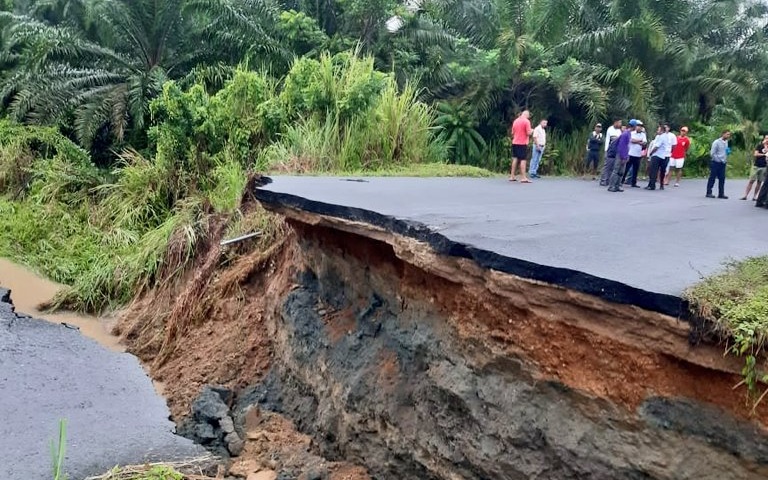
(613, 148)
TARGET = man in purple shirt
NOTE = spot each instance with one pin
(622, 154)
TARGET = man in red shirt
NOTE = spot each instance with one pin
(677, 160)
(520, 132)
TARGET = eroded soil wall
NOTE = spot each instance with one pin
(417, 376)
(388, 355)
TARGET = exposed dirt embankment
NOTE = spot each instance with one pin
(418, 366)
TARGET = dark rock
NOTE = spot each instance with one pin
(710, 424)
(205, 433)
(234, 443)
(227, 425)
(209, 406)
(5, 296)
(226, 394)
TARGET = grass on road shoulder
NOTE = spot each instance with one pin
(418, 170)
(735, 303)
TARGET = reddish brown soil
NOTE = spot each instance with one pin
(271, 437)
(223, 344)
(225, 340)
(621, 372)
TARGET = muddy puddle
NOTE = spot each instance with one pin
(30, 290)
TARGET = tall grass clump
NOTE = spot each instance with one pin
(735, 304)
(40, 158)
(349, 117)
(565, 153)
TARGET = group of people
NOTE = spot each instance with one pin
(625, 146)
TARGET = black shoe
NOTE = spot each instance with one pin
(650, 188)
(723, 197)
(613, 189)
(709, 195)
(635, 186)
(661, 187)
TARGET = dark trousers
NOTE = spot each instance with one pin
(762, 196)
(618, 173)
(658, 164)
(716, 171)
(607, 170)
(634, 164)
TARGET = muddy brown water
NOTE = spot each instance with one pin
(29, 290)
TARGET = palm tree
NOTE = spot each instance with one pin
(99, 63)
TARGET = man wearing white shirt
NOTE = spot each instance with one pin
(637, 143)
(539, 142)
(613, 131)
(662, 149)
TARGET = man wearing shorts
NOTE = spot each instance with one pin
(677, 160)
(759, 168)
(521, 131)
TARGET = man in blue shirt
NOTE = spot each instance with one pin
(719, 158)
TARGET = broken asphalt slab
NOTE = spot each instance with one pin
(638, 247)
(50, 372)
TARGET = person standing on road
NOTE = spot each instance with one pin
(719, 159)
(613, 131)
(677, 160)
(622, 158)
(662, 149)
(521, 131)
(610, 160)
(638, 140)
(673, 143)
(594, 142)
(539, 142)
(759, 167)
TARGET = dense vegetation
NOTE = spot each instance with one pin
(129, 126)
(93, 67)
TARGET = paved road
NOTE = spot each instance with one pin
(114, 416)
(660, 241)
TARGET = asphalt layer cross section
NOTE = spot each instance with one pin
(50, 372)
(637, 247)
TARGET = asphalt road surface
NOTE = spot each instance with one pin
(658, 241)
(49, 372)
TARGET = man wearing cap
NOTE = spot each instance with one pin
(677, 160)
(594, 142)
(637, 141)
(622, 157)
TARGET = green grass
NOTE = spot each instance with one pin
(58, 452)
(735, 303)
(424, 170)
